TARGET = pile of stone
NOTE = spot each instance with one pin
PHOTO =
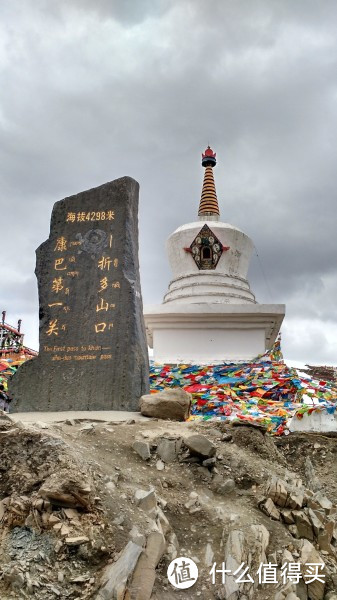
(168, 448)
(133, 573)
(194, 449)
(308, 516)
(243, 546)
(54, 541)
(72, 529)
(49, 516)
(311, 519)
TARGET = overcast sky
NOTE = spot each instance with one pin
(92, 90)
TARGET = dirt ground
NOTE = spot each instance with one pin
(102, 457)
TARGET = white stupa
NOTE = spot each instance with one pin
(209, 313)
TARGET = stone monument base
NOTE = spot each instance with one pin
(211, 333)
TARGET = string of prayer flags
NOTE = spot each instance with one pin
(264, 391)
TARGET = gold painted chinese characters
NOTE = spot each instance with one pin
(60, 286)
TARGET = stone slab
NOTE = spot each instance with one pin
(93, 352)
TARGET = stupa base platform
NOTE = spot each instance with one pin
(210, 333)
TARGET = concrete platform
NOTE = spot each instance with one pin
(318, 422)
(90, 415)
(209, 333)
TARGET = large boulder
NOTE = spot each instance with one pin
(171, 404)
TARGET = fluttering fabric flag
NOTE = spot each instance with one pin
(7, 369)
(264, 391)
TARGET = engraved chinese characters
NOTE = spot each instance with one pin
(93, 352)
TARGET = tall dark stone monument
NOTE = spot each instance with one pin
(93, 352)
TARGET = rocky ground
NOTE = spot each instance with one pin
(99, 510)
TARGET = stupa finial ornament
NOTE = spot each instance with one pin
(208, 206)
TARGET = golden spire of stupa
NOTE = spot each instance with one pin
(208, 201)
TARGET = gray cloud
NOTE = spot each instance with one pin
(92, 91)
(128, 13)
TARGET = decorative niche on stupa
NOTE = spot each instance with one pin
(206, 249)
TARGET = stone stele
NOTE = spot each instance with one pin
(93, 352)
